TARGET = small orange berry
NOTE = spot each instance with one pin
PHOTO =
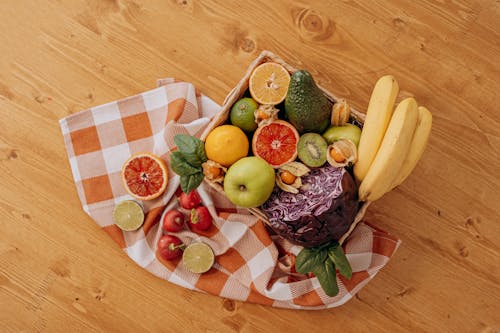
(337, 156)
(262, 115)
(212, 172)
(287, 177)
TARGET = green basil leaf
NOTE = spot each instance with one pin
(181, 166)
(337, 256)
(193, 149)
(325, 246)
(308, 259)
(189, 183)
(194, 159)
(185, 143)
(327, 278)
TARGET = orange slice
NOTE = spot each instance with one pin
(276, 143)
(268, 83)
(144, 176)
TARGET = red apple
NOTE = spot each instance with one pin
(173, 221)
(170, 247)
(200, 219)
(190, 200)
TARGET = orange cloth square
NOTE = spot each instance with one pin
(357, 278)
(97, 189)
(175, 109)
(212, 281)
(382, 247)
(255, 297)
(309, 299)
(85, 140)
(116, 234)
(231, 260)
(260, 231)
(137, 127)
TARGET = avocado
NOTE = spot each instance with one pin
(306, 107)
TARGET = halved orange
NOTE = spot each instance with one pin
(269, 83)
(145, 176)
(276, 143)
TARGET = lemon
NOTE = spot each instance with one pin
(198, 257)
(226, 144)
(128, 215)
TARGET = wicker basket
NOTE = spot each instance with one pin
(237, 93)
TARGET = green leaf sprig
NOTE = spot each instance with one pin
(323, 261)
(187, 161)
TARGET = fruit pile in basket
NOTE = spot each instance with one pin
(305, 162)
(286, 134)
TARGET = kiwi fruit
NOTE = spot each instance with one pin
(312, 149)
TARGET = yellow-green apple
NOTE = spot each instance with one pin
(249, 182)
(348, 131)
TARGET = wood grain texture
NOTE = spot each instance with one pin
(60, 273)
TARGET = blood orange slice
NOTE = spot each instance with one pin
(276, 143)
(144, 176)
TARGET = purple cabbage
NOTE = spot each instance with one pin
(320, 187)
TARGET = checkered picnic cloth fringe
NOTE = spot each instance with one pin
(250, 264)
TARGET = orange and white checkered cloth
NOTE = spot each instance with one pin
(250, 264)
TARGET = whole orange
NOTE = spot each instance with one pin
(226, 144)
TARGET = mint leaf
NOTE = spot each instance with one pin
(190, 182)
(181, 166)
(308, 259)
(327, 278)
(193, 149)
(337, 256)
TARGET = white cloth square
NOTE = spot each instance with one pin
(106, 113)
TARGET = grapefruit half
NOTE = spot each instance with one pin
(276, 143)
(144, 176)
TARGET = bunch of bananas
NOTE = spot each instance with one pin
(391, 143)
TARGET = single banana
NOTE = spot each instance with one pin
(392, 152)
(377, 119)
(417, 147)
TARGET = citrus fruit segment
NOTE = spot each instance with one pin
(268, 83)
(242, 114)
(198, 257)
(128, 215)
(144, 176)
(226, 144)
(276, 143)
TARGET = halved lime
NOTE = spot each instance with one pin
(198, 257)
(128, 215)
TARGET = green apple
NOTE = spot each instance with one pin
(348, 131)
(249, 182)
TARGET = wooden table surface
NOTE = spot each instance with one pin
(60, 273)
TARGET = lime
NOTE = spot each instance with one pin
(198, 257)
(128, 215)
(242, 114)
